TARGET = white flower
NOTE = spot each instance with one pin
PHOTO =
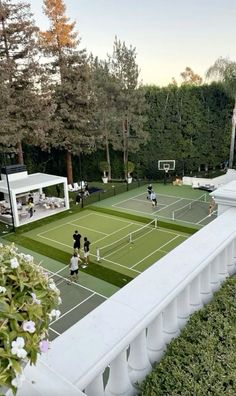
(59, 300)
(35, 300)
(18, 380)
(26, 257)
(14, 263)
(54, 313)
(29, 325)
(3, 289)
(53, 287)
(17, 348)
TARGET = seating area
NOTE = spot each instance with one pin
(76, 186)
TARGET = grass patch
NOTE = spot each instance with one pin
(202, 360)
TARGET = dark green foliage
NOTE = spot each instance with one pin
(202, 360)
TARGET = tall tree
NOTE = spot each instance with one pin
(190, 78)
(106, 90)
(224, 70)
(18, 36)
(131, 103)
(71, 91)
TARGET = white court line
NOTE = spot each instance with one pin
(115, 232)
(120, 265)
(90, 229)
(149, 255)
(62, 225)
(54, 331)
(72, 309)
(53, 240)
(79, 285)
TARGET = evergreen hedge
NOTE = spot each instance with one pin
(202, 360)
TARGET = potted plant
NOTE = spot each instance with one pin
(28, 302)
(104, 167)
(129, 169)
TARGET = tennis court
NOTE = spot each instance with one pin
(121, 244)
(182, 205)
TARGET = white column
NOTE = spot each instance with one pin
(66, 195)
(231, 259)
(223, 269)
(119, 383)
(183, 307)
(139, 364)
(214, 274)
(14, 209)
(170, 321)
(155, 342)
(96, 388)
(195, 296)
(205, 286)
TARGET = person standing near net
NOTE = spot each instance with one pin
(74, 267)
(153, 198)
(76, 238)
(86, 250)
(211, 208)
(149, 191)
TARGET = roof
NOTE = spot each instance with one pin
(31, 182)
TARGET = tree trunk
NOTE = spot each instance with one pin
(20, 157)
(69, 170)
(231, 154)
(125, 141)
(108, 156)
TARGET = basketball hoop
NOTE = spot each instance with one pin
(166, 167)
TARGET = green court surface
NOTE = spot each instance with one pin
(148, 245)
(178, 204)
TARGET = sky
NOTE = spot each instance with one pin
(168, 35)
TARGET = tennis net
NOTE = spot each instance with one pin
(133, 236)
(177, 213)
(107, 250)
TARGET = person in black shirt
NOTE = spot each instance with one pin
(149, 191)
(76, 238)
(86, 250)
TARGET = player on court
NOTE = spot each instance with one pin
(153, 198)
(74, 267)
(76, 238)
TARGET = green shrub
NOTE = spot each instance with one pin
(202, 360)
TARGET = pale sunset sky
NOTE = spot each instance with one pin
(168, 34)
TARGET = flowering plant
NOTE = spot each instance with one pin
(28, 302)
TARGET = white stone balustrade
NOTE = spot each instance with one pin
(130, 331)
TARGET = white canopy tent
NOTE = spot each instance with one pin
(21, 184)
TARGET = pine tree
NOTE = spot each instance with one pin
(18, 35)
(73, 130)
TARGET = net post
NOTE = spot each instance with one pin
(130, 238)
(173, 215)
(155, 223)
(98, 254)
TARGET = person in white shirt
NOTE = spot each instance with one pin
(153, 198)
(74, 267)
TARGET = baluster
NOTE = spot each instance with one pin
(155, 342)
(170, 321)
(139, 364)
(96, 388)
(183, 307)
(119, 382)
(231, 258)
(214, 274)
(205, 286)
(195, 295)
(223, 270)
